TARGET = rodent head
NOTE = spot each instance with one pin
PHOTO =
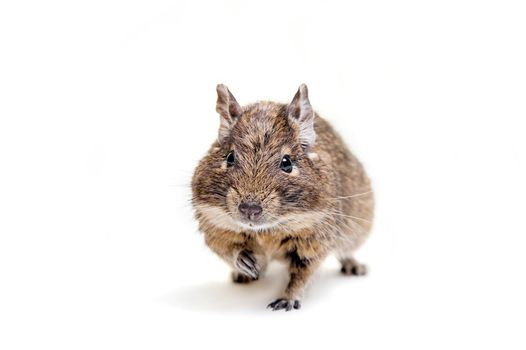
(261, 174)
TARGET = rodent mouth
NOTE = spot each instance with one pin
(255, 225)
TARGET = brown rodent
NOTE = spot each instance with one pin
(279, 183)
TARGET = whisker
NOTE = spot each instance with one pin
(350, 216)
(353, 196)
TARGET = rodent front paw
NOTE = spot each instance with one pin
(282, 303)
(241, 278)
(247, 264)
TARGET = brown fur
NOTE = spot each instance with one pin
(325, 205)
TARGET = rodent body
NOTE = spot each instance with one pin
(279, 183)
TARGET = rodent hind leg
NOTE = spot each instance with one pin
(350, 266)
(345, 254)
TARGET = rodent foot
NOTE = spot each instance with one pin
(246, 264)
(283, 303)
(352, 267)
(238, 277)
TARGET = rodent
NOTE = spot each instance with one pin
(279, 183)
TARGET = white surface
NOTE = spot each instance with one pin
(106, 106)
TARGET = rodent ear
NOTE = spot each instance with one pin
(228, 109)
(300, 112)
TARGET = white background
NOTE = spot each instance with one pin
(106, 107)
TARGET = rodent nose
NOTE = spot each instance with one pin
(250, 210)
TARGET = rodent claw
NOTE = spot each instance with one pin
(283, 303)
(246, 263)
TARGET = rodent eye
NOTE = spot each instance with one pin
(286, 164)
(230, 159)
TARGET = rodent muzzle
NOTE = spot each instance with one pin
(250, 210)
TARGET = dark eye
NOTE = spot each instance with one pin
(230, 159)
(286, 164)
